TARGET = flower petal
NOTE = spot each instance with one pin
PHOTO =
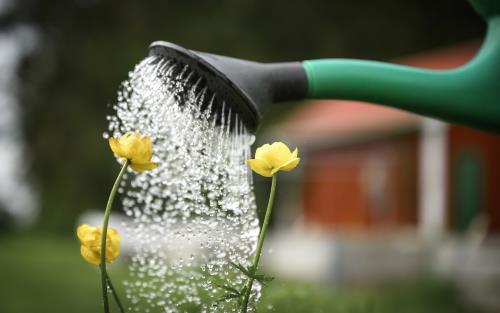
(269, 159)
(90, 248)
(82, 230)
(141, 167)
(261, 167)
(144, 151)
(129, 144)
(88, 235)
(90, 256)
(115, 146)
(277, 155)
(113, 234)
(262, 151)
(112, 245)
(135, 148)
(290, 165)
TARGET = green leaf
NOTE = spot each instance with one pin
(261, 278)
(228, 296)
(228, 288)
(243, 269)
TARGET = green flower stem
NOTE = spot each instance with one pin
(115, 294)
(104, 236)
(260, 243)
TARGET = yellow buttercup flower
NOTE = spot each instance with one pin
(90, 239)
(136, 149)
(269, 159)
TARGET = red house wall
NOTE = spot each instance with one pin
(487, 147)
(363, 186)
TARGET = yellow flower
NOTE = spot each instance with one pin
(136, 149)
(90, 239)
(269, 159)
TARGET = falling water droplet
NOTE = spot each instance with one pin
(195, 213)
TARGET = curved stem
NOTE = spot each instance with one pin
(115, 294)
(260, 243)
(104, 231)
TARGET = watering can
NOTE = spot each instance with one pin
(468, 95)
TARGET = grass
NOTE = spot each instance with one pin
(46, 274)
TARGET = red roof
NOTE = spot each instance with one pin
(319, 119)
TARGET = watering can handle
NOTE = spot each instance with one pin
(467, 95)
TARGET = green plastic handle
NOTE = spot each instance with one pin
(467, 95)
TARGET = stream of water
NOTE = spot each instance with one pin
(196, 212)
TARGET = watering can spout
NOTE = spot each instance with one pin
(467, 95)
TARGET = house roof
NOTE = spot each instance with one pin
(318, 120)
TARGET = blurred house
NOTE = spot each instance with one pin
(369, 167)
(381, 194)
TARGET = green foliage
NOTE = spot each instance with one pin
(249, 272)
(46, 274)
(233, 292)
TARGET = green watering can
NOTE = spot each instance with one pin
(468, 95)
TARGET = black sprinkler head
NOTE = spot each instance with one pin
(246, 87)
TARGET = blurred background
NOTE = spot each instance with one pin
(388, 211)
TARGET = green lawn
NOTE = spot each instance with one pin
(46, 274)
